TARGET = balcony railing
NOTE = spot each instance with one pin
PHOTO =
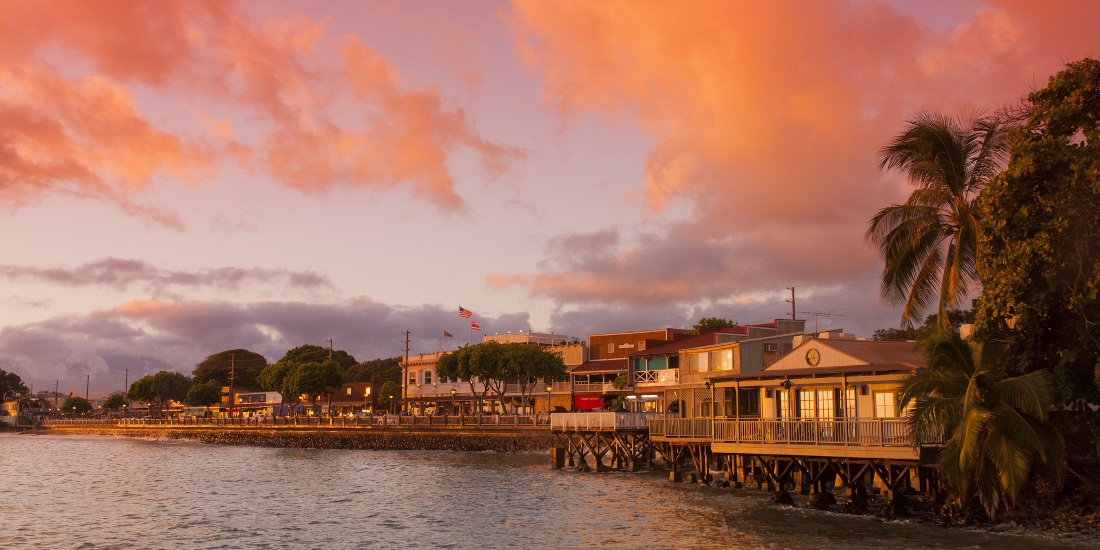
(868, 432)
(599, 387)
(306, 421)
(666, 377)
(601, 421)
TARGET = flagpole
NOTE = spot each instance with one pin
(458, 331)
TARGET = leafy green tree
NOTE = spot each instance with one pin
(1040, 225)
(160, 389)
(929, 243)
(246, 366)
(621, 381)
(711, 322)
(11, 385)
(280, 378)
(376, 371)
(76, 406)
(115, 401)
(461, 365)
(388, 389)
(997, 426)
(317, 354)
(531, 368)
(204, 395)
(318, 378)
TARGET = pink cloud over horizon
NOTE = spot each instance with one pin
(765, 119)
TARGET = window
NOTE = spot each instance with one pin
(610, 348)
(884, 404)
(825, 403)
(641, 345)
(850, 405)
(806, 403)
(412, 377)
(704, 408)
(704, 361)
(656, 363)
(749, 402)
(693, 362)
(727, 359)
(782, 404)
(427, 377)
(349, 391)
(771, 347)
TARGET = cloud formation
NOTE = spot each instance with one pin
(276, 96)
(766, 119)
(121, 274)
(148, 335)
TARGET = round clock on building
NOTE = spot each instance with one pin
(813, 357)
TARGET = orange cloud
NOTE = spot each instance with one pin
(766, 118)
(313, 118)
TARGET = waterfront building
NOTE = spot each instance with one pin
(426, 393)
(592, 382)
(828, 406)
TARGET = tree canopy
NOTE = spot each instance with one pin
(495, 365)
(204, 395)
(76, 405)
(388, 389)
(246, 366)
(114, 401)
(955, 319)
(11, 385)
(160, 389)
(316, 354)
(712, 322)
(376, 371)
(1040, 227)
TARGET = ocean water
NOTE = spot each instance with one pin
(118, 493)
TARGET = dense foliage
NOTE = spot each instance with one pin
(246, 366)
(1040, 246)
(205, 394)
(377, 371)
(160, 389)
(306, 371)
(316, 354)
(115, 401)
(11, 385)
(76, 405)
(996, 426)
(955, 319)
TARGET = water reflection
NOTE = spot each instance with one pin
(102, 492)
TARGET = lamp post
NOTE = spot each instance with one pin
(391, 405)
(548, 388)
(366, 395)
(452, 400)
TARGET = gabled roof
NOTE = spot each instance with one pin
(837, 352)
(601, 366)
(881, 368)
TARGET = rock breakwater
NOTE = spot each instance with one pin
(341, 438)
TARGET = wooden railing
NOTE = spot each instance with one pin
(600, 386)
(867, 432)
(601, 421)
(666, 377)
(306, 421)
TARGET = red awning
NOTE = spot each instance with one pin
(586, 402)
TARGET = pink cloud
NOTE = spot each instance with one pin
(316, 114)
(766, 119)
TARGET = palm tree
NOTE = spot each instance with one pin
(929, 243)
(998, 426)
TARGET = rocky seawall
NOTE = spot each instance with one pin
(340, 438)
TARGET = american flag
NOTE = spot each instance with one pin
(464, 312)
(473, 326)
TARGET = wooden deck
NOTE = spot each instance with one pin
(871, 438)
(601, 421)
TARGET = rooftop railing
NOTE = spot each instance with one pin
(865, 432)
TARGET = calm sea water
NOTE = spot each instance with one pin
(104, 492)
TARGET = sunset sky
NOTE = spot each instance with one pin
(182, 178)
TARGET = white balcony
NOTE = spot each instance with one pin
(665, 377)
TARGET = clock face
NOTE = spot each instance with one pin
(813, 357)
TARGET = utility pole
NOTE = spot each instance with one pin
(55, 394)
(232, 375)
(405, 382)
(330, 348)
(87, 384)
(125, 382)
(793, 317)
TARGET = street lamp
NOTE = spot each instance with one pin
(366, 394)
(452, 400)
(391, 405)
(548, 388)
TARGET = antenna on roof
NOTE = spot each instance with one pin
(818, 314)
